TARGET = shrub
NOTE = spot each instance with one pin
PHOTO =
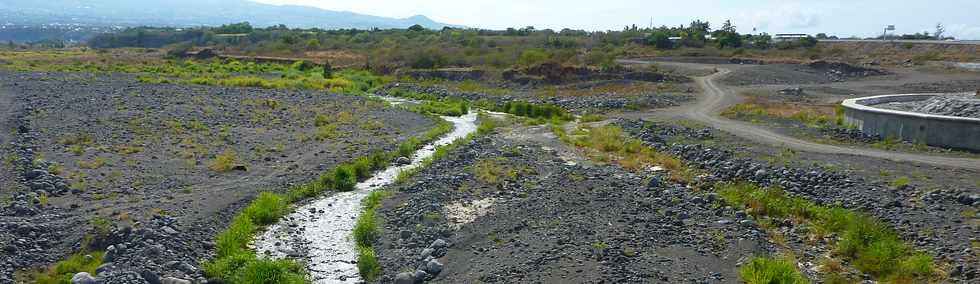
(526, 109)
(75, 139)
(407, 148)
(367, 264)
(533, 57)
(262, 271)
(366, 232)
(768, 271)
(366, 229)
(492, 172)
(344, 178)
(326, 131)
(378, 160)
(592, 118)
(223, 162)
(362, 167)
(900, 183)
(447, 108)
(232, 240)
(62, 271)
(428, 59)
(486, 126)
(98, 162)
(247, 268)
(56, 168)
(918, 266)
(266, 208)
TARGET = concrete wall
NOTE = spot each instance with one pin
(933, 130)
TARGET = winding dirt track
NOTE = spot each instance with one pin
(716, 97)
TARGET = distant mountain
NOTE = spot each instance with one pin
(189, 13)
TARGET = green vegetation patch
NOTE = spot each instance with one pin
(62, 271)
(532, 110)
(366, 233)
(610, 144)
(768, 270)
(493, 171)
(223, 162)
(444, 107)
(870, 245)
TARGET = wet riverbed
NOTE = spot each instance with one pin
(319, 232)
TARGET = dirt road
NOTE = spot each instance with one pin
(716, 97)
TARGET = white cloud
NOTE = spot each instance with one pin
(786, 17)
(962, 31)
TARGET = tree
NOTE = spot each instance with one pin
(728, 27)
(940, 31)
(140, 35)
(312, 44)
(327, 69)
(237, 28)
(762, 41)
(733, 40)
(822, 36)
(661, 40)
(728, 36)
(694, 36)
(10, 44)
(808, 41)
(416, 28)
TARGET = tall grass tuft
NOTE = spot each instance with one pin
(63, 270)
(770, 271)
(366, 233)
(344, 178)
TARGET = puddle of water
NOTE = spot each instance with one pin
(320, 232)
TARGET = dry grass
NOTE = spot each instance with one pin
(223, 162)
(811, 115)
(616, 88)
(610, 144)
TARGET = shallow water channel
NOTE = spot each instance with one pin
(319, 232)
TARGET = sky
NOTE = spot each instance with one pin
(834, 17)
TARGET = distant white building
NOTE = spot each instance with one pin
(789, 37)
(677, 38)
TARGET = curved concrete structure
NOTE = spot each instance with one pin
(934, 130)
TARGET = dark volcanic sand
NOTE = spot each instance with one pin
(146, 165)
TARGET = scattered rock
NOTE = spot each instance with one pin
(172, 280)
(401, 161)
(404, 278)
(433, 267)
(82, 278)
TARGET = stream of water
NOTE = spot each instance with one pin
(320, 232)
